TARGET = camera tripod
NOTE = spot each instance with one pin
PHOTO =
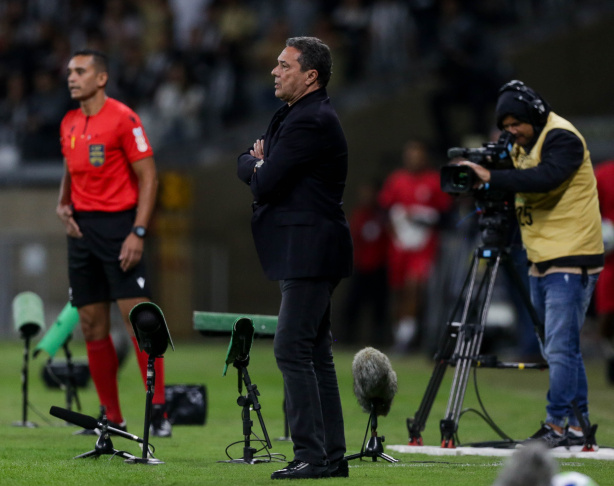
(462, 339)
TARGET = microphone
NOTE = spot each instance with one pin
(28, 315)
(89, 423)
(241, 341)
(150, 329)
(59, 332)
(532, 464)
(375, 382)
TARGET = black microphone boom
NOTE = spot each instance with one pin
(88, 422)
(375, 382)
(76, 418)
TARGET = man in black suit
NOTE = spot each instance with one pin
(297, 173)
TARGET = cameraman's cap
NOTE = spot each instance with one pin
(509, 103)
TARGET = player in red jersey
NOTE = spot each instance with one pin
(106, 200)
(604, 290)
(415, 202)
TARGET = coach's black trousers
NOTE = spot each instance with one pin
(303, 350)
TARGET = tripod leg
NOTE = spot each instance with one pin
(85, 455)
(468, 346)
(388, 458)
(417, 424)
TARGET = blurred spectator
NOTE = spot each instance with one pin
(368, 286)
(468, 69)
(425, 14)
(178, 105)
(323, 29)
(13, 109)
(237, 26)
(46, 107)
(156, 23)
(121, 25)
(391, 31)
(415, 203)
(301, 15)
(351, 19)
(134, 82)
(13, 120)
(187, 15)
(604, 291)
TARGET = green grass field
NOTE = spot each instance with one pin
(44, 455)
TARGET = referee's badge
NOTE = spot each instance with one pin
(97, 154)
(139, 138)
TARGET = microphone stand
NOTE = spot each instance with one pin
(71, 385)
(249, 401)
(104, 445)
(147, 457)
(24, 386)
(374, 448)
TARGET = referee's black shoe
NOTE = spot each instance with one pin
(301, 470)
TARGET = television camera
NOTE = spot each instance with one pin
(494, 207)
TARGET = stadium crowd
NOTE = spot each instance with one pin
(184, 65)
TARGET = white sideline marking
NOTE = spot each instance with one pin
(606, 454)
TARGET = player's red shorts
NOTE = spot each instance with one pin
(604, 291)
(403, 264)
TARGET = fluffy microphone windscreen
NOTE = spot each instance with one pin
(375, 382)
(532, 464)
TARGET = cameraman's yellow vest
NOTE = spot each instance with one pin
(565, 221)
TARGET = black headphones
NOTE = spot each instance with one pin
(539, 112)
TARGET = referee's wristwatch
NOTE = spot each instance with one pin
(140, 231)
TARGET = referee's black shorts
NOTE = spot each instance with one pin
(93, 260)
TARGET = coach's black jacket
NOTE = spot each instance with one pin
(298, 225)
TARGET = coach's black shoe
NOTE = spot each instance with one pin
(160, 425)
(339, 469)
(301, 470)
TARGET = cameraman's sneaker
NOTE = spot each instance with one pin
(160, 425)
(574, 440)
(550, 437)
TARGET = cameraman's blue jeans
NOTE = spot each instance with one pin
(561, 301)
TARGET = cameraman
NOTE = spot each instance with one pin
(558, 213)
